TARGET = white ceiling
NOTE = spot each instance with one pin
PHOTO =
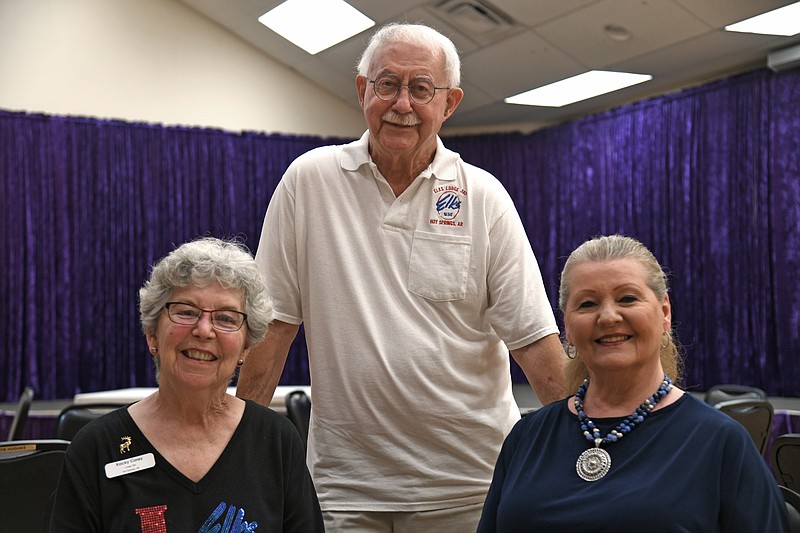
(534, 42)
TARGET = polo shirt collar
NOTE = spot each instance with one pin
(443, 167)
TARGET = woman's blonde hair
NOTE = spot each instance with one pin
(606, 248)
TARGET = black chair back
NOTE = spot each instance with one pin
(21, 414)
(298, 409)
(725, 392)
(792, 500)
(29, 471)
(786, 460)
(755, 415)
(73, 417)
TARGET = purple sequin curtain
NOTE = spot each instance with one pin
(86, 207)
(708, 178)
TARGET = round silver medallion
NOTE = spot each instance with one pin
(593, 464)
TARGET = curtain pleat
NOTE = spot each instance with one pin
(708, 178)
(87, 207)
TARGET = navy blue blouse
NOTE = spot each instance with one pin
(688, 467)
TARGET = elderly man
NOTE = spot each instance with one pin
(413, 277)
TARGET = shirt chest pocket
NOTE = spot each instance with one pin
(439, 265)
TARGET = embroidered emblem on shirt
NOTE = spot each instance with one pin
(448, 200)
(125, 446)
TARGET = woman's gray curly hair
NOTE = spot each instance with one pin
(202, 262)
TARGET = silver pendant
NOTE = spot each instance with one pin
(593, 464)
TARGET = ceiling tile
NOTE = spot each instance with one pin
(533, 13)
(680, 42)
(517, 64)
(720, 13)
(652, 25)
(705, 57)
(474, 98)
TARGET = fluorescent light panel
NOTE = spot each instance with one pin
(782, 21)
(315, 25)
(577, 88)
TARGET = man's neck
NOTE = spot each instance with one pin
(401, 171)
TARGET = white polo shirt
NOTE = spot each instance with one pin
(410, 305)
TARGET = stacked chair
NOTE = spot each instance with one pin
(298, 409)
(755, 415)
(723, 393)
(786, 460)
(29, 472)
(747, 405)
(29, 468)
(751, 407)
(792, 508)
(73, 417)
(21, 414)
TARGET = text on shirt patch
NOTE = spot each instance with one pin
(448, 205)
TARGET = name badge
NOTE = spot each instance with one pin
(130, 465)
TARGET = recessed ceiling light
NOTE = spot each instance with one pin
(315, 25)
(577, 88)
(781, 21)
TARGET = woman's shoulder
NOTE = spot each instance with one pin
(703, 421)
(693, 407)
(545, 415)
(254, 412)
(109, 434)
(269, 426)
(113, 420)
(253, 408)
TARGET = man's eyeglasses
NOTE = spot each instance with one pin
(420, 90)
(189, 315)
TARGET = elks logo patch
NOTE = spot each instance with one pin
(448, 200)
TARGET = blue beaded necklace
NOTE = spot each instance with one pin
(595, 462)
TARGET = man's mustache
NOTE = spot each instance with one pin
(393, 117)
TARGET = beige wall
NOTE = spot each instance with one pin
(153, 61)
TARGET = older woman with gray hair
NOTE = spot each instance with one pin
(191, 457)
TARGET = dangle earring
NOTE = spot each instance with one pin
(665, 338)
(572, 351)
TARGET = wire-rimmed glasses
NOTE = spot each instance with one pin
(420, 90)
(185, 314)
